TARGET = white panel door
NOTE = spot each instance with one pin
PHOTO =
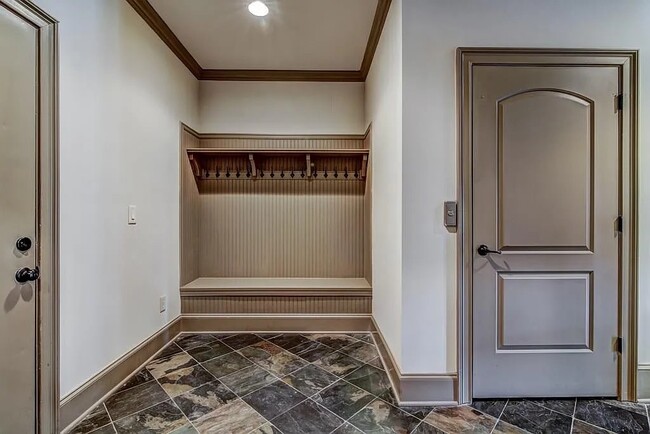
(18, 202)
(546, 196)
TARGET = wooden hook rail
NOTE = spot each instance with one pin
(231, 163)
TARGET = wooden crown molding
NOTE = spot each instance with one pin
(280, 75)
(158, 25)
(383, 6)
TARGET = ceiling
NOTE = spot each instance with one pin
(328, 35)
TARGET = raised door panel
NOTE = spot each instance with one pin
(545, 172)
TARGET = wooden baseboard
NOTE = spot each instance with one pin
(643, 383)
(416, 389)
(277, 323)
(76, 405)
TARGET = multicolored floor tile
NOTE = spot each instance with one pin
(286, 383)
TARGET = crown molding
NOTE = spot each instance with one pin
(383, 6)
(158, 25)
(279, 75)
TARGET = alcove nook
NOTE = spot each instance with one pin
(275, 224)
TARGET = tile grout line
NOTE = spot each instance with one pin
(573, 415)
(498, 418)
(112, 424)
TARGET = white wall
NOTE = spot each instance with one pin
(432, 30)
(384, 111)
(281, 107)
(123, 94)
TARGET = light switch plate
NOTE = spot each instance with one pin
(132, 218)
(163, 303)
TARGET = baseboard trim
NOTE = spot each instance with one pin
(416, 389)
(276, 323)
(75, 405)
(643, 383)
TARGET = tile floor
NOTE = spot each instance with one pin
(316, 383)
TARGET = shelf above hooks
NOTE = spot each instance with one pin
(242, 163)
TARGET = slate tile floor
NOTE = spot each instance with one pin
(316, 383)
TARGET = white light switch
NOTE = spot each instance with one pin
(163, 303)
(132, 219)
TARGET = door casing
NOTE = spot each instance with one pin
(47, 300)
(627, 61)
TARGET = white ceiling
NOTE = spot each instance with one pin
(296, 34)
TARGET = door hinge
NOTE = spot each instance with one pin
(619, 102)
(618, 345)
(618, 224)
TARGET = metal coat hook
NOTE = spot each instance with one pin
(336, 174)
(217, 173)
(346, 173)
(281, 173)
(238, 174)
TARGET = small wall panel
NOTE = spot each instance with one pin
(293, 228)
(275, 305)
(189, 213)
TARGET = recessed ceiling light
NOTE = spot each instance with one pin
(258, 9)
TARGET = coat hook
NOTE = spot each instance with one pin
(217, 173)
(293, 175)
(356, 174)
(325, 174)
(336, 174)
(281, 173)
(272, 174)
(302, 174)
(261, 173)
(238, 174)
(227, 172)
(346, 173)
(248, 174)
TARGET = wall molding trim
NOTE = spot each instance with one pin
(158, 25)
(416, 389)
(79, 402)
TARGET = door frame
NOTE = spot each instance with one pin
(47, 293)
(627, 62)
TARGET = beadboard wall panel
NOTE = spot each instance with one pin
(275, 305)
(281, 142)
(281, 228)
(189, 213)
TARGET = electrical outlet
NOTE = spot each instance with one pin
(163, 303)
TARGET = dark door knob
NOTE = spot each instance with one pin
(483, 250)
(23, 244)
(25, 275)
